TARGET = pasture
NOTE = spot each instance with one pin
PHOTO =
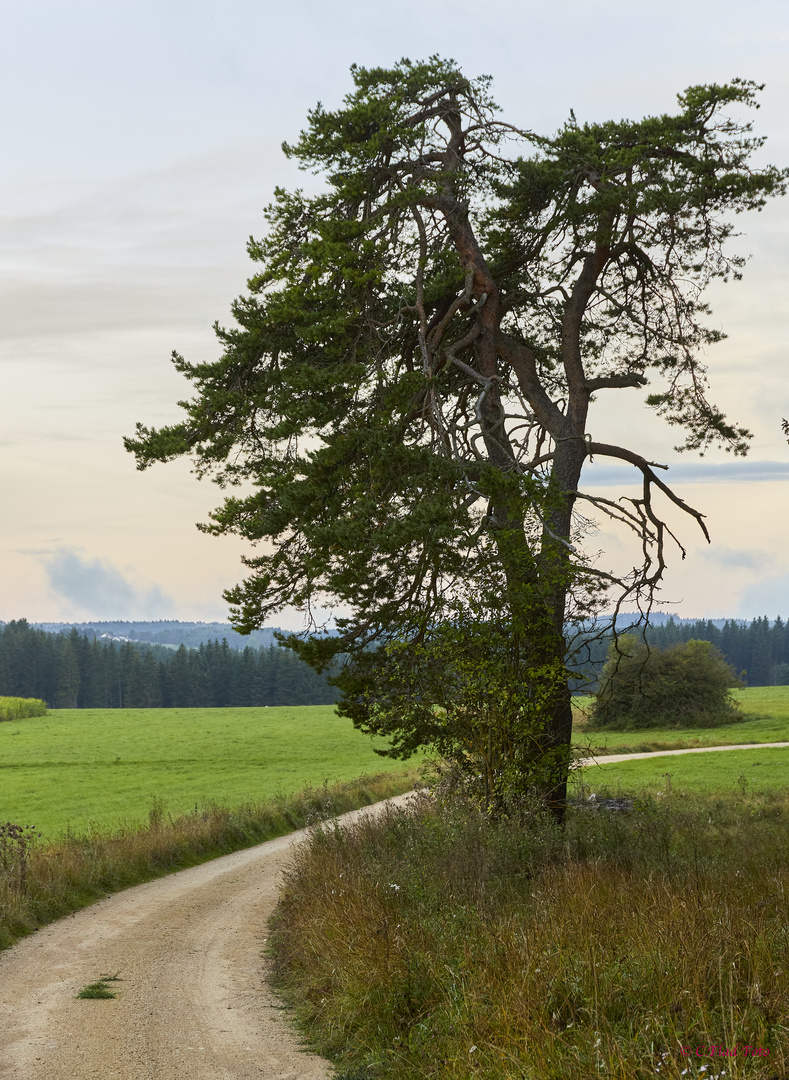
(77, 769)
(727, 771)
(766, 710)
(80, 768)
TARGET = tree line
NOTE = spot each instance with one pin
(73, 671)
(757, 651)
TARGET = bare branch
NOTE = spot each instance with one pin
(524, 363)
(615, 382)
(646, 468)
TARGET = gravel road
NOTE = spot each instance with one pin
(193, 1003)
(611, 759)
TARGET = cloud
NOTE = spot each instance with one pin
(770, 597)
(739, 558)
(691, 472)
(99, 589)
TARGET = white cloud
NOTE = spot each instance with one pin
(769, 596)
(99, 589)
(140, 147)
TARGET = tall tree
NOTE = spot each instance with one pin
(408, 388)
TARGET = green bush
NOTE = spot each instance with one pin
(18, 708)
(688, 685)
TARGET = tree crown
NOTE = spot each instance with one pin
(407, 386)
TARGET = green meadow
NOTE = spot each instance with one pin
(723, 771)
(79, 768)
(766, 711)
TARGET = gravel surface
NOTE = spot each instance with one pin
(193, 1002)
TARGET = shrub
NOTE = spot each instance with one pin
(687, 685)
(18, 708)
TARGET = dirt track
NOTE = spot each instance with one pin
(611, 759)
(193, 1003)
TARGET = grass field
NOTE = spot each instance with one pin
(767, 720)
(88, 767)
(725, 771)
(766, 710)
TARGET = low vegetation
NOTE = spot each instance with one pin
(727, 770)
(40, 882)
(99, 990)
(687, 685)
(17, 708)
(643, 943)
(765, 718)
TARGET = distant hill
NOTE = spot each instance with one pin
(171, 632)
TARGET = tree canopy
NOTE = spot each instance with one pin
(401, 410)
(687, 685)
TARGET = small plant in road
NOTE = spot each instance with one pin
(99, 989)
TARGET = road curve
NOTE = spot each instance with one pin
(611, 759)
(193, 1002)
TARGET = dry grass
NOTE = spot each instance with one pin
(40, 883)
(435, 944)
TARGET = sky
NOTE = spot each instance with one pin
(141, 142)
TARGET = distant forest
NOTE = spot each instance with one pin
(167, 632)
(74, 671)
(79, 670)
(757, 651)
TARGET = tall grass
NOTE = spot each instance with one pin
(18, 708)
(41, 882)
(435, 943)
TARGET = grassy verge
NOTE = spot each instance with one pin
(729, 770)
(766, 711)
(643, 944)
(41, 882)
(81, 767)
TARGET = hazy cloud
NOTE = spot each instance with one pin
(735, 558)
(691, 472)
(100, 589)
(770, 597)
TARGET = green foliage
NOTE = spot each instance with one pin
(765, 720)
(399, 415)
(468, 688)
(687, 685)
(17, 708)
